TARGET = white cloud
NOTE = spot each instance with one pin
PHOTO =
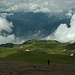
(63, 33)
(69, 14)
(7, 39)
(5, 25)
(5, 14)
(44, 10)
(34, 5)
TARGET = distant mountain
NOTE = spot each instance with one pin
(35, 25)
(10, 45)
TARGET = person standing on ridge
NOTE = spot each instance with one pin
(48, 61)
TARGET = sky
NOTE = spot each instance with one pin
(37, 5)
(61, 34)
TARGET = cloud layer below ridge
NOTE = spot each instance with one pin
(7, 27)
(63, 33)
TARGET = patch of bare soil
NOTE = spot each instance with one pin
(22, 68)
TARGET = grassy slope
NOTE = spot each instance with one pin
(40, 52)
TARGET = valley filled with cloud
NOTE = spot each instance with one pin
(21, 20)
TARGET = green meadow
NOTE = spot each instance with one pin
(39, 51)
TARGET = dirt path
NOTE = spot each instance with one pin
(21, 68)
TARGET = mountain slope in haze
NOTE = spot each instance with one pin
(35, 25)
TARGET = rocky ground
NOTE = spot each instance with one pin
(22, 68)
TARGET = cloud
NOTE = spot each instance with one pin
(5, 29)
(63, 33)
(7, 39)
(44, 10)
(5, 14)
(5, 25)
(69, 14)
(36, 5)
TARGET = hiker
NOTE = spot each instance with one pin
(48, 61)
